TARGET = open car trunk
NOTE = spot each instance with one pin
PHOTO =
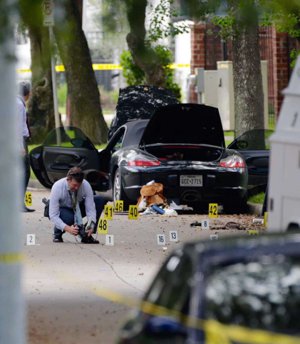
(184, 124)
(185, 152)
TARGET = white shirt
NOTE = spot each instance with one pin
(60, 197)
(23, 128)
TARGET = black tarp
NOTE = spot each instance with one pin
(139, 102)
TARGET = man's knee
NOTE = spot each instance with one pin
(67, 215)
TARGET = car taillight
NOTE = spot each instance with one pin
(144, 163)
(233, 161)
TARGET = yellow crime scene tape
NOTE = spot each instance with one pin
(215, 332)
(105, 66)
(11, 258)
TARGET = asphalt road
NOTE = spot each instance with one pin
(78, 293)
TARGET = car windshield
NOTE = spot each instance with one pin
(171, 287)
(256, 139)
(263, 294)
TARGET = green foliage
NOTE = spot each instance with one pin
(162, 22)
(258, 198)
(293, 55)
(62, 95)
(134, 75)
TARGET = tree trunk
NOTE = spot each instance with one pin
(86, 112)
(40, 107)
(144, 56)
(247, 79)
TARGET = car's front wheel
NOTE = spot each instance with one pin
(118, 191)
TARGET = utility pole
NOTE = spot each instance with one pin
(12, 311)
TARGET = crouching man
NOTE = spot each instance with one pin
(71, 199)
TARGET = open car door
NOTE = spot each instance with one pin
(254, 146)
(64, 148)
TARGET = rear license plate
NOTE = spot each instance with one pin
(191, 180)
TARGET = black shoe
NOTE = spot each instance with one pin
(27, 210)
(89, 240)
(58, 239)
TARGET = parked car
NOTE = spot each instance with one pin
(250, 282)
(181, 146)
(254, 146)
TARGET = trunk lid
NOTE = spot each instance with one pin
(185, 123)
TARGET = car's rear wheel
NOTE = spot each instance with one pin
(118, 190)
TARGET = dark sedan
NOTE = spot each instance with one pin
(234, 290)
(181, 146)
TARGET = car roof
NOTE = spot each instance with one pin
(244, 245)
(133, 131)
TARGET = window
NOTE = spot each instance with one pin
(171, 287)
(263, 294)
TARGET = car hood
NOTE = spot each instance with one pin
(185, 123)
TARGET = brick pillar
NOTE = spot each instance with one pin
(198, 32)
(281, 68)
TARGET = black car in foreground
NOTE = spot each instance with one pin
(181, 146)
(234, 290)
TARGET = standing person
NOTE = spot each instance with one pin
(71, 199)
(24, 132)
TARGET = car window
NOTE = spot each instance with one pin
(257, 139)
(68, 137)
(171, 287)
(263, 294)
(117, 140)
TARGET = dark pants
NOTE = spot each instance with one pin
(67, 214)
(26, 167)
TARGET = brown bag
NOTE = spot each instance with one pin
(153, 194)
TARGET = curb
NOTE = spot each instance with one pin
(254, 208)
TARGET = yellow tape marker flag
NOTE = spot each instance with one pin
(133, 213)
(213, 210)
(11, 258)
(28, 198)
(119, 206)
(102, 226)
(266, 219)
(108, 212)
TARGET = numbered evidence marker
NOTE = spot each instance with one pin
(133, 213)
(102, 226)
(265, 219)
(28, 199)
(30, 239)
(205, 224)
(109, 240)
(173, 236)
(213, 210)
(119, 206)
(252, 232)
(108, 212)
(214, 237)
(161, 239)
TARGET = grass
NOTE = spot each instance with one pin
(257, 199)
